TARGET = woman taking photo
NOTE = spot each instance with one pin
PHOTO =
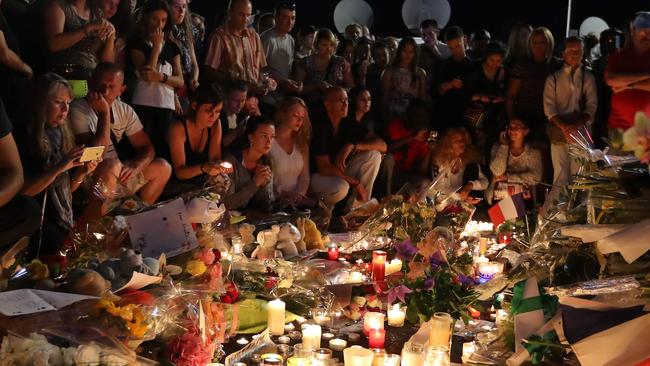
(290, 151)
(403, 80)
(252, 176)
(195, 142)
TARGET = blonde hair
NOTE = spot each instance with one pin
(542, 31)
(514, 50)
(442, 152)
(325, 34)
(303, 138)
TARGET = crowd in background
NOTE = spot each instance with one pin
(304, 121)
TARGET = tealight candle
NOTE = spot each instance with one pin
(327, 336)
(440, 330)
(276, 317)
(242, 341)
(396, 316)
(376, 338)
(338, 344)
(372, 320)
(311, 336)
(487, 270)
(333, 252)
(284, 340)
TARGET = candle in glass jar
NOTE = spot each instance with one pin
(311, 336)
(372, 320)
(412, 354)
(357, 356)
(396, 316)
(378, 265)
(333, 252)
(276, 317)
(376, 338)
(440, 330)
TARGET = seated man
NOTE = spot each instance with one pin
(101, 119)
(19, 215)
(233, 121)
(335, 168)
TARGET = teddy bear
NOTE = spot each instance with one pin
(300, 244)
(312, 237)
(288, 236)
(246, 232)
(267, 239)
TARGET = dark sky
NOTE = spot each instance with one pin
(495, 15)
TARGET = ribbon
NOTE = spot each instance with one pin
(546, 303)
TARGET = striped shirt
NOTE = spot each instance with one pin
(240, 56)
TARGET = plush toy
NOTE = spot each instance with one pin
(87, 282)
(312, 236)
(267, 239)
(118, 271)
(287, 238)
(300, 244)
(246, 232)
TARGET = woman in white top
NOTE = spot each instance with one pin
(290, 151)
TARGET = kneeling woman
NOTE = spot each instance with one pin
(252, 177)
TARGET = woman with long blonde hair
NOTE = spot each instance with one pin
(290, 151)
(455, 163)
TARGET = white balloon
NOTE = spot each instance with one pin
(352, 11)
(415, 11)
(593, 25)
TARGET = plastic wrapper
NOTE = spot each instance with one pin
(595, 287)
(67, 346)
(260, 345)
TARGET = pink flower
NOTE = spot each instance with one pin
(189, 349)
(206, 256)
(214, 273)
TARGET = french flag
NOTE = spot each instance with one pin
(508, 208)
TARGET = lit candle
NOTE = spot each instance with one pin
(311, 337)
(482, 246)
(338, 344)
(468, 349)
(321, 317)
(301, 356)
(412, 354)
(276, 317)
(393, 266)
(356, 277)
(378, 265)
(327, 336)
(376, 338)
(372, 320)
(440, 330)
(284, 340)
(487, 270)
(358, 356)
(396, 316)
(333, 252)
(242, 341)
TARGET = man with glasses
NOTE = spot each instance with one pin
(570, 102)
(628, 74)
(336, 164)
(279, 47)
(235, 51)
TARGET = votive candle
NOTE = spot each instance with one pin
(396, 316)
(338, 344)
(372, 320)
(376, 338)
(378, 265)
(333, 252)
(276, 317)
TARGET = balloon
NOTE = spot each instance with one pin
(593, 25)
(352, 11)
(415, 11)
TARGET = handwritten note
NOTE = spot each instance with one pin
(139, 280)
(27, 301)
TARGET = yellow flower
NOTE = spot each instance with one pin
(195, 267)
(38, 270)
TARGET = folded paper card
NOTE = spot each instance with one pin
(28, 301)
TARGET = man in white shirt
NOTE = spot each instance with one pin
(101, 119)
(279, 47)
(432, 51)
(570, 103)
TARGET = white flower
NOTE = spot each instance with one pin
(87, 355)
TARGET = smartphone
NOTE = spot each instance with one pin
(92, 154)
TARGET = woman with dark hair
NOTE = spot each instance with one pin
(77, 37)
(455, 163)
(305, 42)
(403, 80)
(155, 60)
(252, 175)
(362, 59)
(118, 12)
(184, 34)
(345, 49)
(195, 142)
(51, 160)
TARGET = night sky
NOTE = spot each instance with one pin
(497, 15)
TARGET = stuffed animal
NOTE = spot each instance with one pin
(300, 244)
(312, 236)
(87, 282)
(267, 239)
(287, 238)
(246, 232)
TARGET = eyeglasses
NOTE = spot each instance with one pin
(286, 5)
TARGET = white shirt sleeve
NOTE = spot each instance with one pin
(131, 120)
(550, 107)
(81, 116)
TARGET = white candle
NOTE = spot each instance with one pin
(440, 330)
(468, 349)
(276, 317)
(412, 354)
(311, 336)
(356, 277)
(393, 266)
(338, 344)
(396, 316)
(358, 356)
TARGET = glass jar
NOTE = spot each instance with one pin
(301, 356)
(437, 356)
(412, 354)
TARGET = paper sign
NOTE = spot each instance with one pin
(162, 230)
(139, 280)
(27, 301)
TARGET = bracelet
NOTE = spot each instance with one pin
(165, 77)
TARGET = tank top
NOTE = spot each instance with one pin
(83, 53)
(196, 157)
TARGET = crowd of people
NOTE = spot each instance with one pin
(294, 122)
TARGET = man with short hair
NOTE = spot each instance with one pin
(570, 102)
(233, 124)
(478, 42)
(102, 119)
(279, 47)
(432, 51)
(628, 74)
(338, 164)
(235, 51)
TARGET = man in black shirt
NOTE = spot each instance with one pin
(19, 215)
(338, 164)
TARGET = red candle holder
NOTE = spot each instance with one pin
(333, 252)
(378, 265)
(377, 338)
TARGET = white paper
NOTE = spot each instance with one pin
(526, 324)
(162, 230)
(28, 301)
(139, 280)
(632, 242)
(592, 233)
(203, 211)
